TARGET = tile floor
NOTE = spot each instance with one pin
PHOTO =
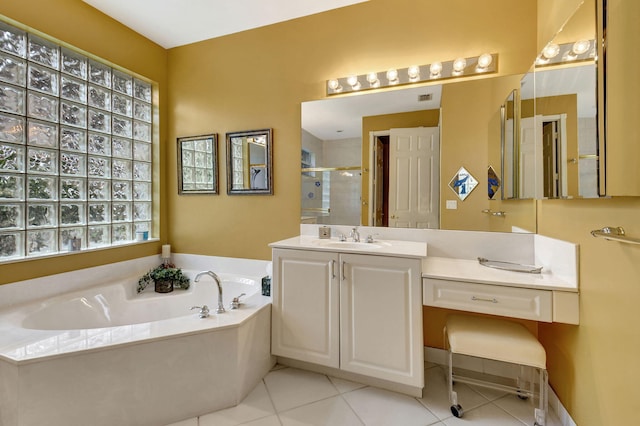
(293, 397)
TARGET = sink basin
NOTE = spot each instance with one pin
(351, 244)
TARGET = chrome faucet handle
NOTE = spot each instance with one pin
(370, 237)
(342, 237)
(204, 310)
(235, 303)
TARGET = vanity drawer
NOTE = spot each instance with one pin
(488, 299)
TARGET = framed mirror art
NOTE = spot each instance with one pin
(197, 165)
(250, 162)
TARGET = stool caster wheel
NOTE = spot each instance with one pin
(521, 395)
(457, 410)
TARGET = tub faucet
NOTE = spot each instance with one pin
(220, 308)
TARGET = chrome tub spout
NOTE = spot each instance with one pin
(220, 308)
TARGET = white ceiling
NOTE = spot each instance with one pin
(341, 118)
(172, 23)
(580, 80)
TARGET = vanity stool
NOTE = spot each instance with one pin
(499, 340)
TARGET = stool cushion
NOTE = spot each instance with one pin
(496, 339)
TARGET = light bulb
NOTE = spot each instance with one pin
(435, 69)
(459, 65)
(581, 46)
(485, 60)
(551, 51)
(372, 78)
(414, 72)
(334, 85)
(392, 76)
(352, 80)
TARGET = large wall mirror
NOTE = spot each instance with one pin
(338, 134)
(250, 162)
(555, 150)
(346, 166)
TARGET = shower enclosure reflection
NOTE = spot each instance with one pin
(331, 180)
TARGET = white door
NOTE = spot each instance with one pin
(381, 318)
(414, 177)
(305, 311)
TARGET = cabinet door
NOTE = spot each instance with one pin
(381, 318)
(305, 306)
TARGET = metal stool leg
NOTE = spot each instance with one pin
(541, 412)
(456, 409)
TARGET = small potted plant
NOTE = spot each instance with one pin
(165, 278)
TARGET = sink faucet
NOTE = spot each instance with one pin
(355, 235)
(220, 308)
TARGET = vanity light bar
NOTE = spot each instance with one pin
(460, 67)
(553, 54)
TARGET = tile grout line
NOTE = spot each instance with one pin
(275, 410)
(345, 400)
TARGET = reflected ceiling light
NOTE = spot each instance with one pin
(353, 81)
(551, 51)
(435, 69)
(373, 80)
(414, 73)
(486, 63)
(552, 54)
(459, 65)
(580, 47)
(392, 76)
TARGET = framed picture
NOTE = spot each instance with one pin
(250, 162)
(198, 165)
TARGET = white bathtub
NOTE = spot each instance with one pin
(104, 355)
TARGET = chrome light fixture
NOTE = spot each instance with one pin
(460, 67)
(581, 50)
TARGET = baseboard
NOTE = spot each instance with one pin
(495, 368)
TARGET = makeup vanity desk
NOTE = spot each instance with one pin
(466, 285)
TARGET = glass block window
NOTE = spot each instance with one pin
(75, 149)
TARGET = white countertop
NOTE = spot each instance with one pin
(377, 248)
(471, 271)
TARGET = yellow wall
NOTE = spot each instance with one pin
(552, 15)
(471, 139)
(75, 23)
(258, 78)
(593, 367)
(623, 60)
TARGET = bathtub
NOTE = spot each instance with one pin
(105, 355)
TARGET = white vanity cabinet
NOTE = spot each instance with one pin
(355, 312)
(305, 312)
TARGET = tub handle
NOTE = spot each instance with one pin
(235, 303)
(204, 310)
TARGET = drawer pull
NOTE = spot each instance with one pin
(482, 299)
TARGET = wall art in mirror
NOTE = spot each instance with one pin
(250, 162)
